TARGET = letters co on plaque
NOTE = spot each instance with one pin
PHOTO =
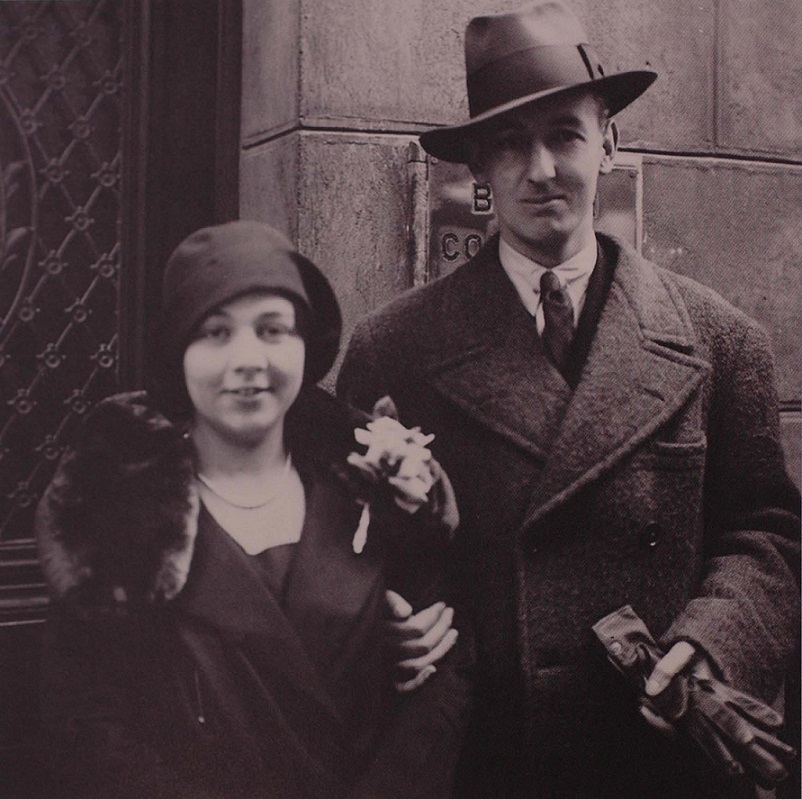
(461, 213)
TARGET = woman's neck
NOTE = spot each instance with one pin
(224, 456)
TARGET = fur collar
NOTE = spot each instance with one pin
(118, 522)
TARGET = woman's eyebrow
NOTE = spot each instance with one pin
(216, 312)
(276, 315)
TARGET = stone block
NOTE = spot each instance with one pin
(379, 64)
(676, 40)
(733, 226)
(760, 77)
(269, 183)
(270, 67)
(353, 216)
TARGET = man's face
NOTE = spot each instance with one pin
(542, 163)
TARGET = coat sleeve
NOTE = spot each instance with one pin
(421, 744)
(362, 379)
(746, 613)
(96, 746)
(425, 729)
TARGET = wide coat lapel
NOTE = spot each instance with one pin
(640, 370)
(226, 591)
(490, 360)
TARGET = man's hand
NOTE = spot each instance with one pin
(667, 689)
(736, 731)
(678, 693)
(418, 640)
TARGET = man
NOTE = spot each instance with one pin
(611, 431)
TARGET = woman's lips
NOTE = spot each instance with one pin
(247, 391)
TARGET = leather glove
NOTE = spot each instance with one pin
(735, 730)
(738, 731)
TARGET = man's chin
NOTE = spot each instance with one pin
(546, 243)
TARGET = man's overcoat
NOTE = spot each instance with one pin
(657, 481)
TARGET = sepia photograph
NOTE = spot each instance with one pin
(400, 399)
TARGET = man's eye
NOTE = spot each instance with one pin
(511, 140)
(568, 136)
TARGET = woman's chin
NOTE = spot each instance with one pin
(248, 433)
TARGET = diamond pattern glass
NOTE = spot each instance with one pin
(60, 164)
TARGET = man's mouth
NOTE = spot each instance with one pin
(544, 200)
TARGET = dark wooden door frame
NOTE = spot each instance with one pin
(180, 143)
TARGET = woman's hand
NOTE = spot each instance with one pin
(417, 640)
(398, 456)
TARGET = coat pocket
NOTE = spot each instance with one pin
(567, 685)
(676, 455)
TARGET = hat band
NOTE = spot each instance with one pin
(531, 71)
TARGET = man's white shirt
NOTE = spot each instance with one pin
(525, 275)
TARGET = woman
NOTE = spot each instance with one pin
(217, 573)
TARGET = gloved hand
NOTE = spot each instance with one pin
(733, 729)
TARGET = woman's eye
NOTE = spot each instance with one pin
(215, 333)
(274, 331)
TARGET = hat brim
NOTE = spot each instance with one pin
(619, 90)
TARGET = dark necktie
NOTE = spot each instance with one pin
(559, 315)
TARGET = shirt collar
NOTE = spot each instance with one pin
(576, 268)
(525, 275)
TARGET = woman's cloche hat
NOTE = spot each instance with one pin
(515, 58)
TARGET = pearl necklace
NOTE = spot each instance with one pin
(276, 492)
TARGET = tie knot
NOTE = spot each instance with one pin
(549, 282)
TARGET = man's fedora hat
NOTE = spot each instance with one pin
(516, 58)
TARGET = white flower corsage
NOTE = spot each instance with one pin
(396, 456)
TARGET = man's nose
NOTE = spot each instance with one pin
(248, 353)
(541, 163)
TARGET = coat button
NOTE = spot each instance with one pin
(650, 534)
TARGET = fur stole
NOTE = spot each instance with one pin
(117, 524)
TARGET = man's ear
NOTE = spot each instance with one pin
(610, 147)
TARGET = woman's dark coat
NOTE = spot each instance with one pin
(657, 481)
(171, 670)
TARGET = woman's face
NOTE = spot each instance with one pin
(244, 368)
